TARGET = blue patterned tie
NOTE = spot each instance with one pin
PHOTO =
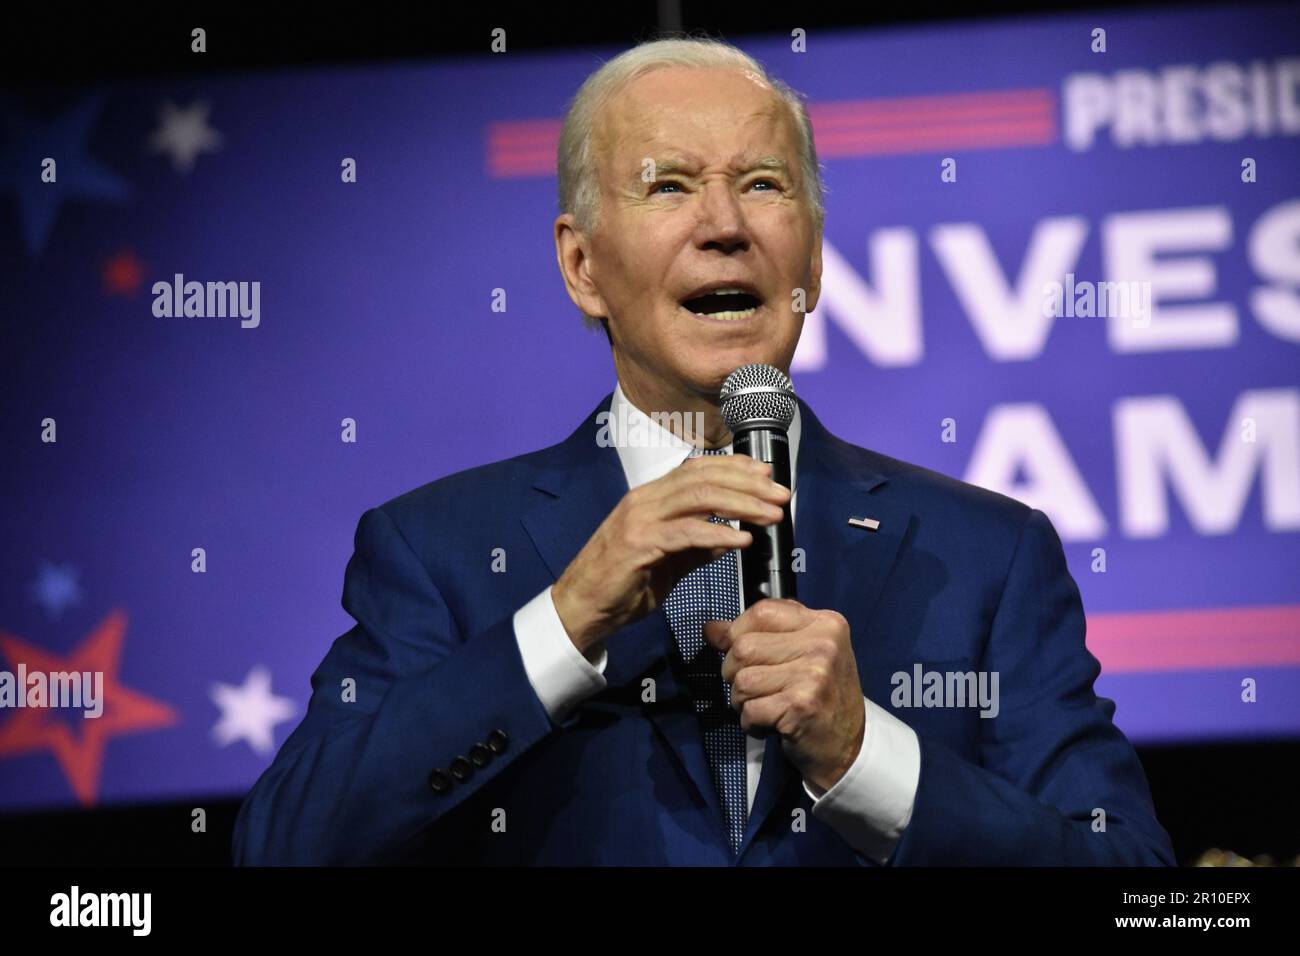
(712, 593)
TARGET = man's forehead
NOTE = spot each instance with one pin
(654, 110)
(675, 83)
(764, 142)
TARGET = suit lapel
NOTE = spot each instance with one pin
(579, 488)
(846, 568)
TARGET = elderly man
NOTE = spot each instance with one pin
(605, 702)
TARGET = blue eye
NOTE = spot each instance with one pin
(656, 186)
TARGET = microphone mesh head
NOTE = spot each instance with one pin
(757, 392)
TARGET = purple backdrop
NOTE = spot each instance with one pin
(177, 433)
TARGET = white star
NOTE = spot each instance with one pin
(250, 712)
(184, 134)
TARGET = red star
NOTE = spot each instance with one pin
(125, 711)
(123, 274)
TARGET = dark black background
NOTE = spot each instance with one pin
(1225, 796)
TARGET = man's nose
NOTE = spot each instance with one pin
(721, 218)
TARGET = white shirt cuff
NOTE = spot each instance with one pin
(561, 674)
(871, 805)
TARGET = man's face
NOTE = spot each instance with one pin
(722, 206)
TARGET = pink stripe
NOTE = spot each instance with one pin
(534, 162)
(928, 116)
(1214, 638)
(514, 133)
(907, 124)
(925, 118)
(984, 135)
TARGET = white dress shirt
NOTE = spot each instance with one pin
(869, 806)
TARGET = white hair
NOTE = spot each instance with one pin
(576, 160)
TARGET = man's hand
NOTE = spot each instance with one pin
(792, 670)
(657, 535)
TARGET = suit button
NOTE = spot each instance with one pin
(497, 741)
(461, 769)
(440, 782)
(480, 755)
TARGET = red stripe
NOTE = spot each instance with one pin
(1214, 638)
(538, 161)
(864, 116)
(867, 142)
(525, 133)
(834, 124)
(1024, 117)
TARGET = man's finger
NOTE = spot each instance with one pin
(759, 648)
(772, 614)
(760, 680)
(718, 634)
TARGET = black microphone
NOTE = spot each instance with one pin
(758, 406)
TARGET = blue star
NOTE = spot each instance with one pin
(56, 587)
(27, 141)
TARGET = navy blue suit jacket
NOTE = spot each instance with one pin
(956, 578)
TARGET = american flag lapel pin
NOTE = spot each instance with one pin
(871, 524)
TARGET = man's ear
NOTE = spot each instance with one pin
(572, 253)
(815, 292)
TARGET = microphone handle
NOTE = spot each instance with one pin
(765, 566)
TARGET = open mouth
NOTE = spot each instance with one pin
(724, 306)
